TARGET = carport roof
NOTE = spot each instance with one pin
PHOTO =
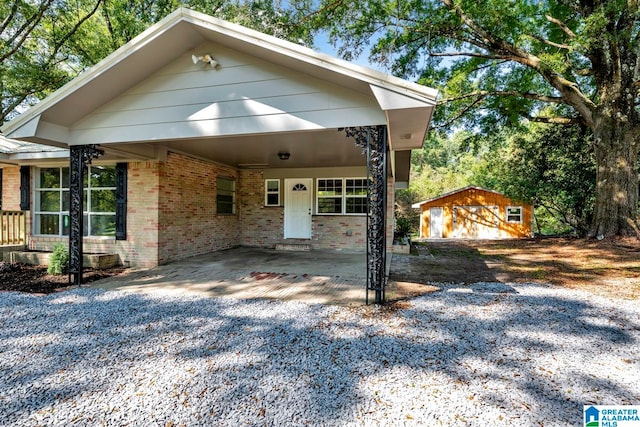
(408, 106)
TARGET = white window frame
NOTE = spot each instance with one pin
(87, 212)
(520, 214)
(268, 192)
(318, 197)
(343, 196)
(359, 196)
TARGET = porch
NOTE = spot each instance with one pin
(317, 276)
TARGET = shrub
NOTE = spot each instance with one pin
(59, 261)
(403, 226)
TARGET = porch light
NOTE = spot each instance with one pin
(283, 155)
(207, 59)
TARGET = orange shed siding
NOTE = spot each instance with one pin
(475, 213)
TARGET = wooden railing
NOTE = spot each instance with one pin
(13, 227)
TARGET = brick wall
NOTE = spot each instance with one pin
(11, 188)
(171, 215)
(263, 226)
(141, 247)
(188, 222)
(143, 189)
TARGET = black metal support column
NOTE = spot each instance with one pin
(79, 157)
(373, 139)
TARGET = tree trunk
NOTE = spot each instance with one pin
(616, 152)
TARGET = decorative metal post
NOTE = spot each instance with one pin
(79, 157)
(373, 139)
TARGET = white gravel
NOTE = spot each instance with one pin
(486, 354)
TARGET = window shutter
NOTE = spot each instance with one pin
(25, 188)
(121, 201)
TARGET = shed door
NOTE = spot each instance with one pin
(435, 222)
(297, 208)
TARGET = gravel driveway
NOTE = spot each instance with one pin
(486, 354)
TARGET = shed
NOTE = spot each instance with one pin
(474, 213)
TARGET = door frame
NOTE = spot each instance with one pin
(288, 183)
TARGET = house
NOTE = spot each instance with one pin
(475, 213)
(200, 135)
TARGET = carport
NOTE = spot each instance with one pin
(214, 135)
(319, 276)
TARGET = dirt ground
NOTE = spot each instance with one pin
(610, 268)
(35, 279)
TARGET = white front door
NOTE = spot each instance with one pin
(297, 208)
(435, 229)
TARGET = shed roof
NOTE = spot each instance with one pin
(451, 193)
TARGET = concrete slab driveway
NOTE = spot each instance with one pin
(318, 276)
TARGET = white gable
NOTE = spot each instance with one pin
(244, 95)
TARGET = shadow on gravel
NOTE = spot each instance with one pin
(121, 356)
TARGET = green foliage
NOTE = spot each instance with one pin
(59, 261)
(549, 166)
(499, 64)
(407, 218)
(404, 227)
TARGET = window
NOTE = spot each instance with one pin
(514, 214)
(226, 197)
(52, 201)
(356, 196)
(272, 192)
(342, 196)
(330, 196)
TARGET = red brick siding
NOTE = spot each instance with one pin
(264, 226)
(11, 188)
(188, 222)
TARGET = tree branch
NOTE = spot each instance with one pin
(561, 24)
(473, 54)
(25, 28)
(9, 18)
(460, 114)
(570, 91)
(556, 120)
(550, 43)
(504, 93)
(73, 30)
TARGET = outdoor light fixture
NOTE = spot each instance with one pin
(283, 155)
(207, 59)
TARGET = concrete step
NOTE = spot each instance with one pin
(296, 247)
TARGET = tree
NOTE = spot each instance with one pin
(35, 57)
(498, 62)
(532, 166)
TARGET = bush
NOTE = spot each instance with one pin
(404, 226)
(59, 261)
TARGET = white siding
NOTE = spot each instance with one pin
(243, 96)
